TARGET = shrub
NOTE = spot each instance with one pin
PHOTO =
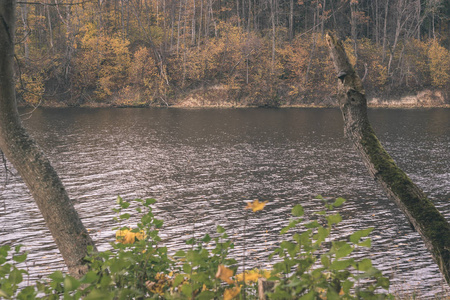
(308, 264)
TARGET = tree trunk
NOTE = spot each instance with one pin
(291, 20)
(419, 210)
(24, 15)
(46, 188)
(353, 29)
(274, 33)
(386, 10)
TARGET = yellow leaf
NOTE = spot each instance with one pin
(231, 293)
(256, 205)
(249, 277)
(128, 237)
(224, 273)
(253, 275)
(266, 274)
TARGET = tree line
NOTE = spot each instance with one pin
(243, 52)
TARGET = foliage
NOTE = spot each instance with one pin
(439, 62)
(103, 61)
(311, 270)
(158, 52)
(309, 264)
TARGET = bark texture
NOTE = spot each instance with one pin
(60, 216)
(419, 210)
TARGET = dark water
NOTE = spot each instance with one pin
(202, 165)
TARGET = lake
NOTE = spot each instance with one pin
(202, 165)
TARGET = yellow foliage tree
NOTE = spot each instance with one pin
(102, 62)
(144, 78)
(439, 64)
(30, 87)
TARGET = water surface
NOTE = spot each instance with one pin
(203, 165)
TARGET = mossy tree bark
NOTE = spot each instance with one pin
(60, 216)
(419, 210)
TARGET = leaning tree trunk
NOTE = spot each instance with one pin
(60, 216)
(419, 210)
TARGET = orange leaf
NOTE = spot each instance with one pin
(224, 273)
(231, 293)
(128, 237)
(256, 205)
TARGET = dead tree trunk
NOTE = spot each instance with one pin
(60, 216)
(419, 210)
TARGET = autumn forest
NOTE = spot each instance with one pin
(224, 52)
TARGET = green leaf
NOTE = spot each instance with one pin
(20, 258)
(125, 205)
(343, 251)
(305, 237)
(367, 243)
(365, 264)
(285, 230)
(325, 260)
(99, 295)
(205, 295)
(57, 276)
(158, 223)
(90, 277)
(4, 250)
(341, 264)
(347, 285)
(334, 219)
(186, 289)
(332, 295)
(313, 224)
(383, 282)
(292, 224)
(150, 201)
(70, 283)
(355, 237)
(27, 293)
(125, 216)
(287, 245)
(297, 210)
(297, 238)
(206, 239)
(339, 201)
(187, 268)
(146, 219)
(180, 253)
(178, 280)
(118, 265)
(322, 234)
(220, 229)
(15, 277)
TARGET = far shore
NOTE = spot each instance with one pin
(386, 105)
(421, 100)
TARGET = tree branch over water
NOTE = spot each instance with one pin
(418, 209)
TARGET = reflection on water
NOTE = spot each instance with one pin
(202, 165)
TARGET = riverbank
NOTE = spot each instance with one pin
(217, 98)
